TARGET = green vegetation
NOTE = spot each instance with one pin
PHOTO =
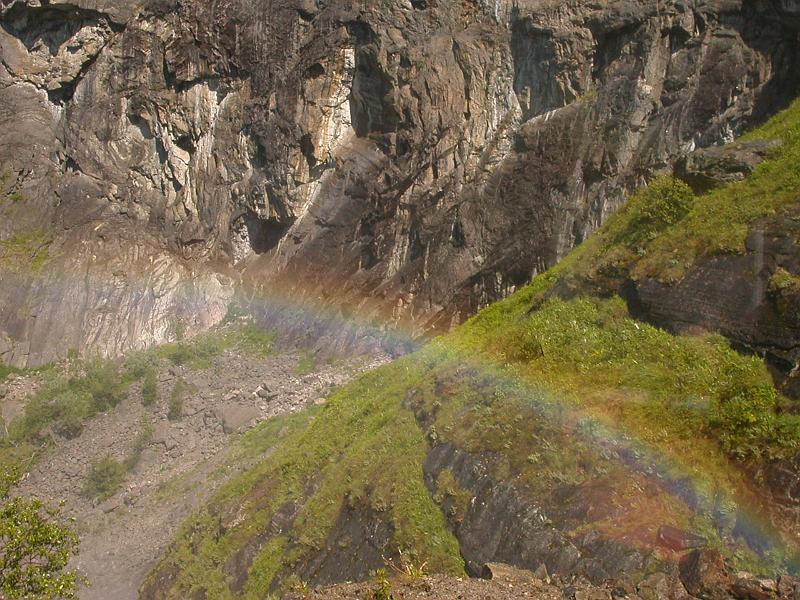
(663, 386)
(70, 395)
(6, 370)
(719, 221)
(383, 587)
(176, 398)
(149, 390)
(65, 402)
(35, 547)
(254, 340)
(656, 207)
(199, 352)
(540, 388)
(307, 363)
(105, 478)
(30, 250)
(139, 444)
(108, 474)
(363, 450)
(783, 282)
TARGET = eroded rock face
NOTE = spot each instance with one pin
(413, 160)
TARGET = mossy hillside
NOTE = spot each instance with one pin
(546, 386)
(368, 445)
(362, 449)
(689, 227)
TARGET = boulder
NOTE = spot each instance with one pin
(678, 539)
(705, 575)
(708, 168)
(266, 393)
(789, 587)
(236, 418)
(747, 587)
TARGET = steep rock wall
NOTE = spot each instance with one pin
(413, 161)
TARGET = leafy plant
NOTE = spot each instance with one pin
(35, 548)
(409, 567)
(383, 587)
(653, 209)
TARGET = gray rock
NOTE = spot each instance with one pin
(705, 169)
(236, 418)
(266, 394)
(150, 144)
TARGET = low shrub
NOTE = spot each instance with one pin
(653, 209)
(105, 478)
(307, 363)
(149, 389)
(64, 403)
(176, 400)
(139, 444)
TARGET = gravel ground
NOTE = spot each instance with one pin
(182, 465)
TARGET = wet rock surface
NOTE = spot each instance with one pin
(448, 151)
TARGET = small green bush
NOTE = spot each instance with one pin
(65, 403)
(655, 208)
(195, 354)
(783, 282)
(102, 381)
(105, 478)
(749, 425)
(6, 370)
(176, 400)
(35, 548)
(383, 587)
(307, 363)
(138, 364)
(256, 341)
(139, 444)
(149, 389)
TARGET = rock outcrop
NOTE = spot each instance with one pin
(411, 160)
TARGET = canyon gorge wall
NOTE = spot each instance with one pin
(402, 162)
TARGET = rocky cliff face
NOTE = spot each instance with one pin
(413, 159)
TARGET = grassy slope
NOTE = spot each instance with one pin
(523, 379)
(70, 394)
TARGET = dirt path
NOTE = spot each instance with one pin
(182, 464)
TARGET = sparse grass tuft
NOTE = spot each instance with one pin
(200, 351)
(105, 478)
(254, 340)
(139, 444)
(307, 363)
(176, 398)
(27, 251)
(6, 371)
(149, 389)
